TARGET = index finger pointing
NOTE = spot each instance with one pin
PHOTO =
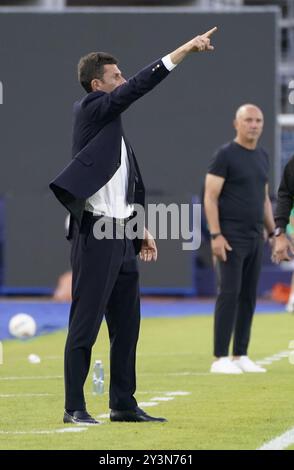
(210, 32)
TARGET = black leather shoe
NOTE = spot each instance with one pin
(78, 417)
(133, 416)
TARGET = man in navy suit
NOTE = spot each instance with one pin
(103, 181)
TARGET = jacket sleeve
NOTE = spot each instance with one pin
(285, 196)
(104, 107)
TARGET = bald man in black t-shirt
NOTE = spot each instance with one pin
(237, 208)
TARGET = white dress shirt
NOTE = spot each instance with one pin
(111, 199)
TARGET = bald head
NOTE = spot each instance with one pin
(246, 109)
(249, 125)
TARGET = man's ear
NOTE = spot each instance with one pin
(235, 124)
(95, 84)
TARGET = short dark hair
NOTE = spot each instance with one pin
(92, 66)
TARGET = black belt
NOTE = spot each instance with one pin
(113, 220)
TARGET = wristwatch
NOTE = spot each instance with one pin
(279, 231)
(213, 236)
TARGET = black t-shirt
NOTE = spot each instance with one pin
(241, 202)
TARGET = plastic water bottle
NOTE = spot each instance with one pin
(98, 378)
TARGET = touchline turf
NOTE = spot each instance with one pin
(204, 411)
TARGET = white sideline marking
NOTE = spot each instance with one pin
(162, 398)
(146, 404)
(283, 354)
(281, 442)
(167, 397)
(77, 429)
(274, 358)
(154, 401)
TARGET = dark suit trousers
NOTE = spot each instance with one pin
(236, 300)
(105, 281)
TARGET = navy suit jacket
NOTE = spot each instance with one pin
(97, 135)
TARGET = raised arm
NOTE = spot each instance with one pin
(104, 107)
(200, 43)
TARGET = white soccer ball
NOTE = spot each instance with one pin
(22, 325)
(34, 359)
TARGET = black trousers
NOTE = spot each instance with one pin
(236, 300)
(105, 281)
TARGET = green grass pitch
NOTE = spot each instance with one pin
(174, 354)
